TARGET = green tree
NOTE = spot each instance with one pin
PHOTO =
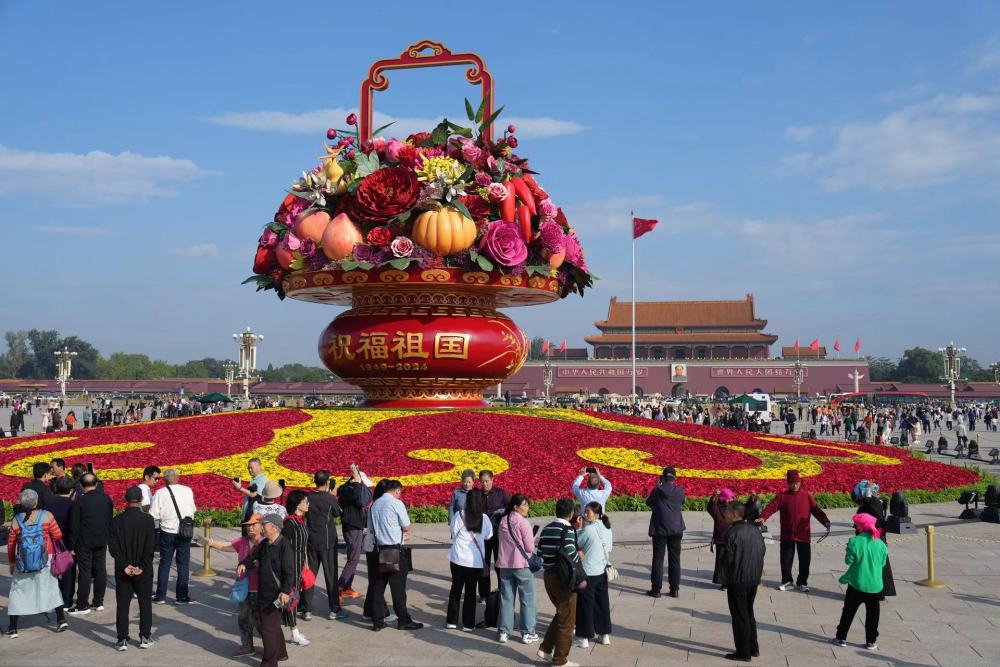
(535, 351)
(296, 373)
(18, 353)
(42, 364)
(126, 366)
(881, 369)
(918, 364)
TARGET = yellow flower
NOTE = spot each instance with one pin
(442, 169)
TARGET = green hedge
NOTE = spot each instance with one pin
(543, 508)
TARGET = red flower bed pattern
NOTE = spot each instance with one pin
(534, 452)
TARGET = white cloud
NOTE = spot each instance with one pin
(800, 133)
(199, 250)
(940, 140)
(319, 120)
(611, 215)
(71, 231)
(93, 178)
(986, 58)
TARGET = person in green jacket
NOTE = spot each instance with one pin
(866, 556)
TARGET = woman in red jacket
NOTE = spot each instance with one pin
(795, 507)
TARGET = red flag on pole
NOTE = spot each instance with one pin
(545, 346)
(796, 348)
(814, 345)
(562, 348)
(836, 345)
(642, 226)
(857, 346)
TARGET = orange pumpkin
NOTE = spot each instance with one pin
(340, 237)
(444, 231)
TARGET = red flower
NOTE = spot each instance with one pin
(478, 207)
(561, 218)
(380, 236)
(385, 194)
(418, 138)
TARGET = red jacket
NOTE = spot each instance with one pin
(795, 509)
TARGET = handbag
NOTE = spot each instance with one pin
(534, 560)
(486, 568)
(62, 559)
(570, 571)
(610, 570)
(388, 560)
(308, 578)
(241, 588)
(185, 524)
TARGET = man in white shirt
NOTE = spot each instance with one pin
(598, 488)
(169, 504)
(390, 527)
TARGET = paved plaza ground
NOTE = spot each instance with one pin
(955, 625)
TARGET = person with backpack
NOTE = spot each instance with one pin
(557, 547)
(173, 506)
(354, 496)
(30, 546)
(90, 530)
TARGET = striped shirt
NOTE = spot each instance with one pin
(549, 542)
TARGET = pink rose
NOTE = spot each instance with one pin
(496, 192)
(291, 242)
(471, 153)
(392, 150)
(483, 179)
(547, 209)
(502, 241)
(379, 144)
(401, 246)
(268, 239)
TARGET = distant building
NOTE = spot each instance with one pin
(683, 330)
(791, 352)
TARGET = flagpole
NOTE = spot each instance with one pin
(633, 308)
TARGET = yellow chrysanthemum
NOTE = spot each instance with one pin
(442, 169)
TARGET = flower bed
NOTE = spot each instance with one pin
(537, 452)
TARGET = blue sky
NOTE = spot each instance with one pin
(842, 162)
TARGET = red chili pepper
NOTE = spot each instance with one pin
(508, 204)
(524, 193)
(524, 218)
(535, 187)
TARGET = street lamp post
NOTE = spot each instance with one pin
(64, 368)
(547, 377)
(248, 342)
(798, 375)
(952, 367)
(230, 368)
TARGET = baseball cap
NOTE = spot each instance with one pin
(133, 494)
(256, 518)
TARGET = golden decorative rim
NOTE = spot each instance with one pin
(345, 288)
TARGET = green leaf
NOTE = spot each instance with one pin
(468, 110)
(400, 263)
(276, 227)
(440, 135)
(367, 164)
(461, 207)
(489, 121)
(256, 279)
(375, 133)
(541, 269)
(484, 264)
(465, 132)
(348, 265)
(365, 266)
(479, 113)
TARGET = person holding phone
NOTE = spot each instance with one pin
(276, 580)
(597, 489)
(257, 482)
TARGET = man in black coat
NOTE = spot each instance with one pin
(90, 531)
(666, 527)
(41, 473)
(354, 496)
(275, 577)
(743, 563)
(322, 548)
(131, 545)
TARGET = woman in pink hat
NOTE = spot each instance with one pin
(865, 557)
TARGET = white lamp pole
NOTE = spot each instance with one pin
(248, 342)
(230, 369)
(64, 368)
(952, 357)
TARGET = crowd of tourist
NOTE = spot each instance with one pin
(65, 527)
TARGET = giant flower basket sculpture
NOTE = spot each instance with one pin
(424, 237)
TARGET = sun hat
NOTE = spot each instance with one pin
(256, 518)
(271, 490)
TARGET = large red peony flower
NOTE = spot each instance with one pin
(478, 207)
(385, 194)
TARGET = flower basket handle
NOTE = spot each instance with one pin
(424, 53)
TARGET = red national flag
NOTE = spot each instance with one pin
(545, 346)
(642, 226)
(857, 346)
(836, 345)
(562, 348)
(796, 348)
(814, 345)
